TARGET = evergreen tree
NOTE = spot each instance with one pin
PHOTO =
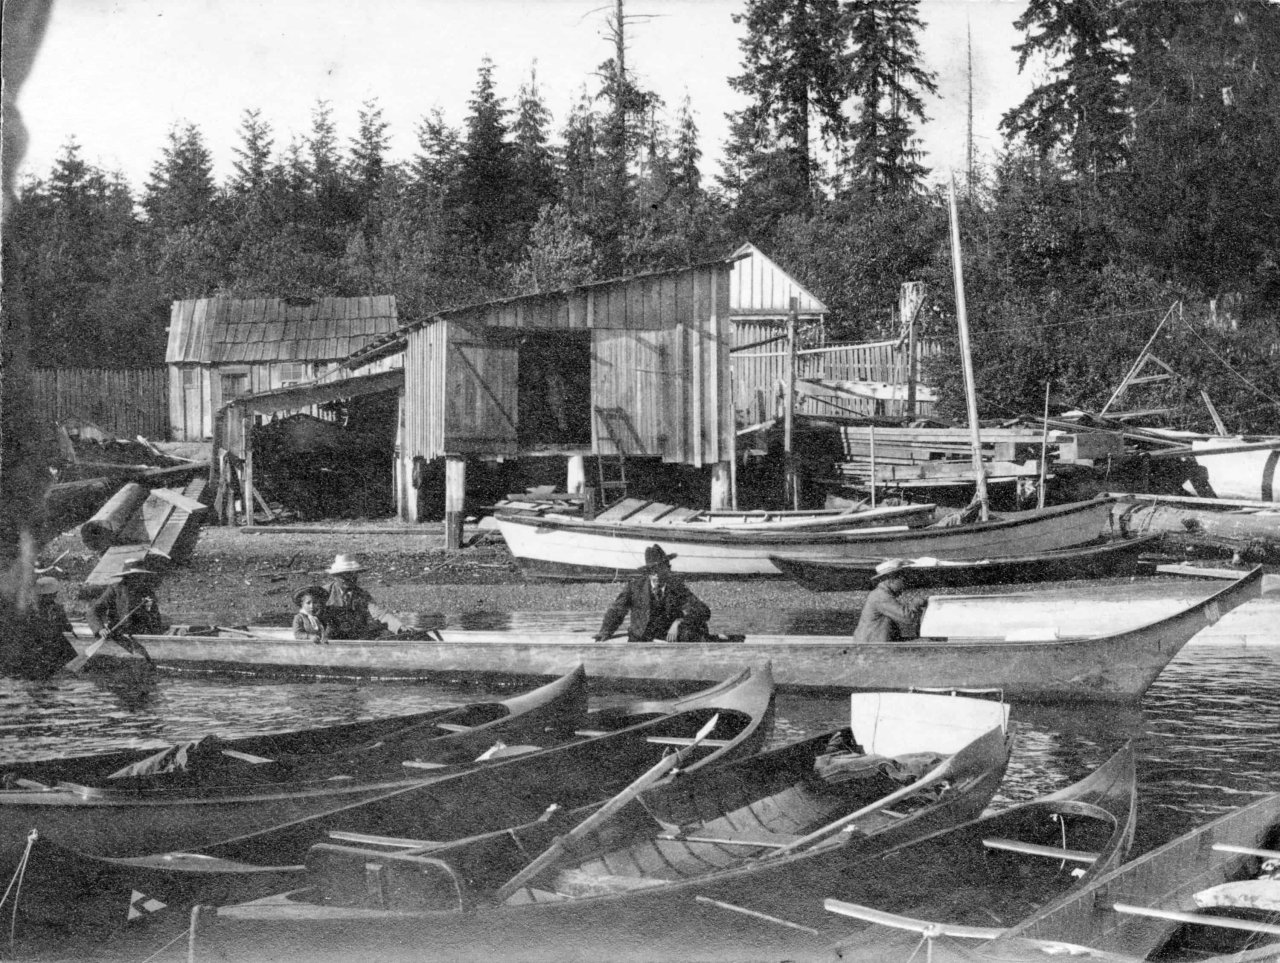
(686, 154)
(436, 167)
(367, 162)
(180, 191)
(1199, 196)
(580, 165)
(794, 77)
(534, 162)
(1081, 111)
(887, 79)
(253, 153)
(486, 179)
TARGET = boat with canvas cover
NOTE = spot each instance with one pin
(668, 874)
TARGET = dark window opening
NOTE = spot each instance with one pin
(554, 390)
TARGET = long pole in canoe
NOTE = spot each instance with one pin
(966, 356)
(1044, 449)
(603, 814)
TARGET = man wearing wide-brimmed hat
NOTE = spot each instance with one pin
(661, 605)
(50, 650)
(129, 606)
(350, 611)
(886, 616)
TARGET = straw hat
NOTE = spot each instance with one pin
(890, 566)
(655, 558)
(345, 563)
(133, 566)
(47, 585)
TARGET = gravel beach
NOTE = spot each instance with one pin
(239, 578)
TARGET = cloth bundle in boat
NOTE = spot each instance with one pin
(840, 767)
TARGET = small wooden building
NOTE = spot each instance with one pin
(760, 297)
(223, 348)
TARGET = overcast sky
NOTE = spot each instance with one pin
(118, 74)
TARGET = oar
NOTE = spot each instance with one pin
(602, 815)
(944, 770)
(76, 664)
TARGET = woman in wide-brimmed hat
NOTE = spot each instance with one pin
(660, 604)
(886, 617)
(350, 611)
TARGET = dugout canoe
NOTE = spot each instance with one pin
(1115, 556)
(553, 711)
(654, 881)
(273, 823)
(1031, 658)
(1032, 857)
(1200, 893)
(576, 550)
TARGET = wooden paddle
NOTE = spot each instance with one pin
(944, 770)
(603, 814)
(77, 664)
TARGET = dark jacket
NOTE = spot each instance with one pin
(351, 613)
(49, 624)
(886, 618)
(652, 617)
(120, 599)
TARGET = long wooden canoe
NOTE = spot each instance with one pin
(668, 878)
(574, 549)
(1101, 661)
(553, 710)
(1109, 557)
(271, 823)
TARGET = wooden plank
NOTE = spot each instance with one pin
(623, 510)
(680, 515)
(651, 512)
(1035, 849)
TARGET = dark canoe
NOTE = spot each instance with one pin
(558, 707)
(651, 884)
(1113, 557)
(575, 549)
(1198, 873)
(275, 825)
(1098, 662)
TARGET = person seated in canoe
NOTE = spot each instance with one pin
(350, 611)
(886, 615)
(127, 608)
(660, 604)
(309, 621)
(49, 626)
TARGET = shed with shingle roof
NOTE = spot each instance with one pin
(221, 348)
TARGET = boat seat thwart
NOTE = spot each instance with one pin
(926, 928)
(577, 883)
(660, 740)
(1198, 919)
(1035, 849)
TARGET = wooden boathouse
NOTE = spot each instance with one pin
(621, 369)
(220, 349)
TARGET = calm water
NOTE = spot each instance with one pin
(1207, 734)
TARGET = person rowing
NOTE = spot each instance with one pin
(128, 607)
(660, 604)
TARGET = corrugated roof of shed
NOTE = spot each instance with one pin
(268, 330)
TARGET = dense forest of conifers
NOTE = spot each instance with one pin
(1144, 169)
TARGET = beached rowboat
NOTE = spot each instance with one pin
(575, 549)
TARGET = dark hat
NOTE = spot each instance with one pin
(655, 557)
(317, 591)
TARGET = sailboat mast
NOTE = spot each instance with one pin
(966, 357)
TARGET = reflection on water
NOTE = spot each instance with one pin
(1206, 734)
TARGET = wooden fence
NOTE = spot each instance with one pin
(121, 401)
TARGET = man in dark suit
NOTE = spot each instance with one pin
(660, 604)
(127, 607)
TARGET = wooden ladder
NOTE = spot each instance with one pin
(612, 469)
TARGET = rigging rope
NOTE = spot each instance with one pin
(15, 886)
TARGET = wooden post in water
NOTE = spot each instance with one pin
(966, 357)
(792, 490)
(455, 497)
(246, 435)
(871, 439)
